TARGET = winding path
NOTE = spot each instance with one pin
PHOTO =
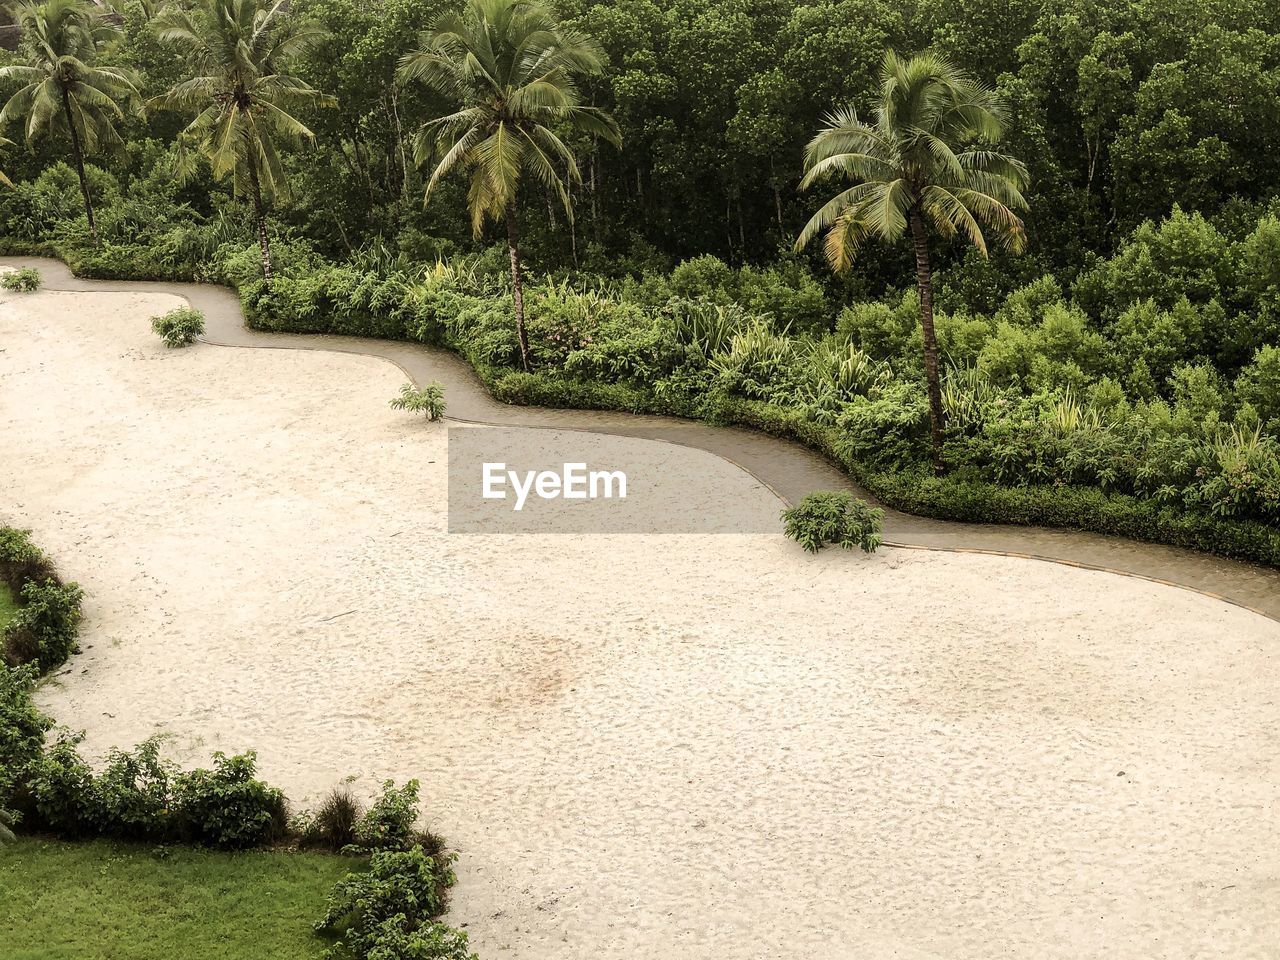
(787, 468)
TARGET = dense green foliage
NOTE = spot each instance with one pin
(42, 629)
(839, 518)
(391, 910)
(139, 796)
(59, 87)
(179, 327)
(105, 900)
(1121, 374)
(26, 280)
(22, 727)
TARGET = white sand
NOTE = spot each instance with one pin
(695, 747)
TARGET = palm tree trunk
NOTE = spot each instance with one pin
(924, 284)
(517, 291)
(259, 215)
(79, 155)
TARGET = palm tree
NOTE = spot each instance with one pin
(926, 163)
(238, 53)
(3, 179)
(61, 91)
(509, 66)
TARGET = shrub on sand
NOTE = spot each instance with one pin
(833, 518)
(180, 327)
(26, 280)
(429, 400)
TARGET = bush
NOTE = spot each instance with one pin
(397, 898)
(25, 280)
(180, 327)
(132, 794)
(397, 939)
(44, 628)
(21, 560)
(227, 807)
(63, 790)
(429, 400)
(22, 727)
(389, 824)
(833, 518)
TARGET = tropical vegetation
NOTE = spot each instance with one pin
(1090, 338)
(179, 327)
(61, 90)
(833, 517)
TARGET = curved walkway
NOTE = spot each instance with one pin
(787, 468)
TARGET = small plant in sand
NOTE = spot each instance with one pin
(333, 825)
(180, 327)
(829, 517)
(26, 280)
(429, 400)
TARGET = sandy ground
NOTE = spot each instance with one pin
(642, 746)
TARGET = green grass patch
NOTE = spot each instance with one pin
(8, 607)
(113, 901)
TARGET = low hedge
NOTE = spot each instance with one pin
(974, 501)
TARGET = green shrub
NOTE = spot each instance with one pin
(389, 823)
(833, 518)
(63, 790)
(180, 327)
(401, 894)
(133, 793)
(227, 807)
(22, 727)
(25, 280)
(429, 400)
(21, 560)
(396, 938)
(1259, 385)
(44, 628)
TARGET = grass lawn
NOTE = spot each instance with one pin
(109, 901)
(7, 606)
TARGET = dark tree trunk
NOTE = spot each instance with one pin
(924, 284)
(79, 155)
(517, 290)
(404, 162)
(260, 215)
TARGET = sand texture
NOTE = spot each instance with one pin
(705, 747)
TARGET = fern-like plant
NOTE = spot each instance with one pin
(833, 517)
(26, 280)
(180, 327)
(429, 400)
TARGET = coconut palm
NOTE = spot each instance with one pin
(509, 66)
(3, 179)
(61, 91)
(927, 164)
(241, 93)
